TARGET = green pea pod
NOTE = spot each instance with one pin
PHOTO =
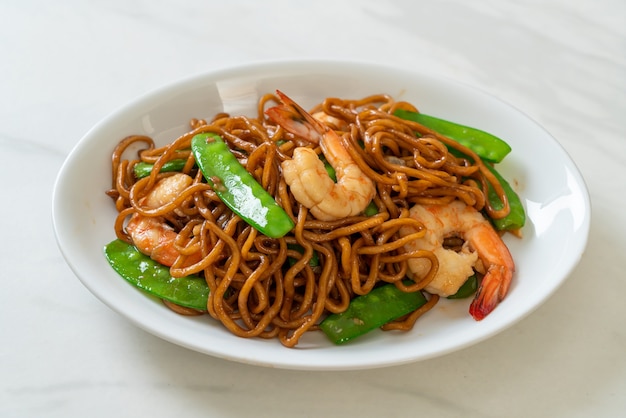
(485, 145)
(517, 215)
(313, 262)
(329, 168)
(142, 169)
(467, 289)
(237, 188)
(370, 311)
(146, 274)
(371, 209)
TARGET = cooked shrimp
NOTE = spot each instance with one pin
(151, 235)
(482, 250)
(305, 173)
(330, 121)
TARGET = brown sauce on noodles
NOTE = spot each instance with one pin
(253, 291)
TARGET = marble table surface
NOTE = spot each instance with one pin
(65, 65)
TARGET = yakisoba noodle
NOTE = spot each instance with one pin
(254, 291)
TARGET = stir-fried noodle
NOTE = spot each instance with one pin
(255, 291)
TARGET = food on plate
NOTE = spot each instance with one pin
(355, 215)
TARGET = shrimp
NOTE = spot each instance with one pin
(305, 173)
(151, 235)
(482, 250)
(330, 121)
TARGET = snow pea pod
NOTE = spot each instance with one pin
(237, 188)
(370, 311)
(143, 169)
(371, 209)
(517, 214)
(490, 149)
(487, 146)
(313, 262)
(146, 274)
(467, 289)
(329, 168)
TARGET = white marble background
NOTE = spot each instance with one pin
(64, 65)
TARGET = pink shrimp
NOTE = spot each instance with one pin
(151, 235)
(483, 250)
(305, 173)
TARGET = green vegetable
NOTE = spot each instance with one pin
(313, 262)
(237, 188)
(330, 170)
(143, 169)
(489, 148)
(517, 215)
(467, 289)
(486, 145)
(154, 278)
(370, 311)
(371, 209)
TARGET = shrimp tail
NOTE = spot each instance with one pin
(494, 287)
(295, 119)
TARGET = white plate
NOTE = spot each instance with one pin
(550, 185)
